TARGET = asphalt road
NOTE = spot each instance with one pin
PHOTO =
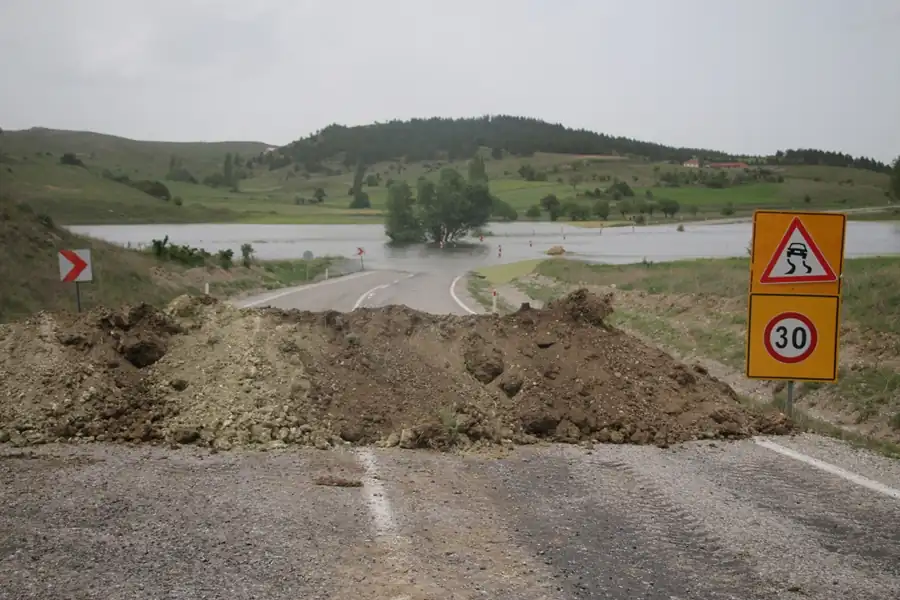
(802, 517)
(703, 521)
(425, 291)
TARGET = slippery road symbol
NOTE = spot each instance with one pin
(797, 249)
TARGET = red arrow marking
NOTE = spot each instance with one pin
(78, 265)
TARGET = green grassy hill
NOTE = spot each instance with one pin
(121, 276)
(277, 187)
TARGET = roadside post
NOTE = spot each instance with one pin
(494, 301)
(360, 252)
(794, 304)
(75, 266)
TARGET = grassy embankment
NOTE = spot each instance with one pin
(698, 309)
(121, 276)
(31, 171)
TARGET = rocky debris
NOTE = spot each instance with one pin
(556, 251)
(202, 372)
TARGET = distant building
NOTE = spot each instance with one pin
(729, 165)
(693, 164)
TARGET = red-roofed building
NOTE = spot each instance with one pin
(729, 165)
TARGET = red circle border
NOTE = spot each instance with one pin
(813, 334)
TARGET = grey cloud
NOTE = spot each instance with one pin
(743, 77)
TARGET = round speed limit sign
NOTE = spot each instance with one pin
(790, 337)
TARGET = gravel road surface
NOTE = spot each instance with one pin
(703, 521)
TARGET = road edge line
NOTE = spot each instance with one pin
(301, 288)
(456, 299)
(859, 480)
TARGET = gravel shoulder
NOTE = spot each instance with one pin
(698, 521)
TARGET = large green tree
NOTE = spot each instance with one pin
(450, 208)
(401, 224)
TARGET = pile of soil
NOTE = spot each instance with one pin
(204, 372)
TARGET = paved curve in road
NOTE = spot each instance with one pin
(782, 518)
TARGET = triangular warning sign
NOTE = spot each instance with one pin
(797, 259)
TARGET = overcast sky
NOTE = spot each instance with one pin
(740, 76)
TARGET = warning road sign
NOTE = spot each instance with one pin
(797, 253)
(797, 259)
(75, 265)
(793, 337)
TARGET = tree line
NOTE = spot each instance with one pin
(808, 156)
(431, 139)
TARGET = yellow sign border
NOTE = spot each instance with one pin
(790, 289)
(837, 339)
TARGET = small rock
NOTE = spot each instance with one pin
(407, 438)
(321, 443)
(260, 434)
(179, 384)
(4, 436)
(186, 435)
(616, 437)
(392, 440)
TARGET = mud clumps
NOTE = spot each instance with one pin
(201, 372)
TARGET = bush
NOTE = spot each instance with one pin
(728, 209)
(246, 254)
(69, 158)
(533, 212)
(226, 258)
(178, 201)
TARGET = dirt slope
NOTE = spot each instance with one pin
(206, 373)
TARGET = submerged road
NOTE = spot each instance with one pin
(799, 517)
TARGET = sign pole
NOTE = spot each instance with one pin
(790, 397)
(362, 265)
(78, 295)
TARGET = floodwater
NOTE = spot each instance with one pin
(509, 242)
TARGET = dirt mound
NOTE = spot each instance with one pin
(204, 372)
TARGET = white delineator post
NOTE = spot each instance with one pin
(326, 272)
(494, 301)
(206, 288)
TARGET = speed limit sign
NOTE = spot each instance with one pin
(790, 337)
(793, 337)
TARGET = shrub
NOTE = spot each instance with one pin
(246, 254)
(178, 201)
(226, 258)
(69, 158)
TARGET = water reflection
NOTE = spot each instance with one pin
(509, 242)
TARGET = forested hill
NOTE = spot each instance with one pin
(426, 139)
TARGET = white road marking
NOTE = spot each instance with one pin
(367, 294)
(865, 482)
(456, 299)
(303, 288)
(376, 498)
